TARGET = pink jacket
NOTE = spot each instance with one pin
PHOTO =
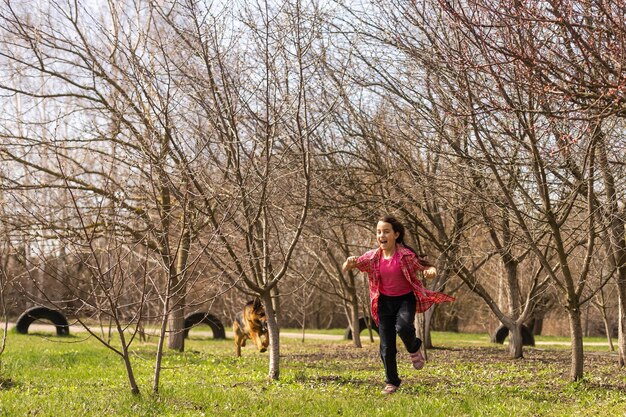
(410, 265)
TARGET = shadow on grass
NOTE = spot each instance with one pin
(339, 380)
(53, 337)
(6, 384)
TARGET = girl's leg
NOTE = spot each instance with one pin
(404, 324)
(387, 310)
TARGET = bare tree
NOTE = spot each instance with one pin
(334, 245)
(420, 153)
(98, 95)
(127, 115)
(99, 278)
(600, 302)
(255, 86)
(561, 210)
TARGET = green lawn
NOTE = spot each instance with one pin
(42, 375)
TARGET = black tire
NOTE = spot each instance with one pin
(38, 313)
(362, 326)
(195, 319)
(502, 332)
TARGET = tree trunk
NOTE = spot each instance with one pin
(537, 327)
(134, 388)
(607, 329)
(426, 337)
(368, 313)
(516, 341)
(276, 304)
(617, 235)
(354, 321)
(274, 336)
(303, 323)
(621, 334)
(162, 333)
(576, 331)
(176, 322)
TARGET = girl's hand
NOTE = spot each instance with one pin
(350, 263)
(430, 273)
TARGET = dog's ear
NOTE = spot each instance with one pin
(257, 304)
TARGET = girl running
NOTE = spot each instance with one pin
(396, 294)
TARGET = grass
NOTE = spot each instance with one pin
(43, 375)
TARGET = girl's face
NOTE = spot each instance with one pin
(385, 236)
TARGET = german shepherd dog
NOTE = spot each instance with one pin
(251, 323)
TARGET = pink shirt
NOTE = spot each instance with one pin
(410, 264)
(392, 280)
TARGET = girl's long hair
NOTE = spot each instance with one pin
(398, 227)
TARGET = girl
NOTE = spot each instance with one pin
(396, 294)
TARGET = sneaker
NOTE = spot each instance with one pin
(389, 389)
(418, 359)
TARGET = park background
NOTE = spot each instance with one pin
(161, 158)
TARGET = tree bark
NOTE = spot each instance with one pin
(176, 317)
(576, 332)
(537, 326)
(516, 341)
(616, 241)
(134, 388)
(162, 335)
(621, 334)
(607, 328)
(274, 336)
(354, 325)
(176, 321)
(427, 339)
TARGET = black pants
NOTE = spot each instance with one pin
(395, 317)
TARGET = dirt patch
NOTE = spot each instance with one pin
(539, 370)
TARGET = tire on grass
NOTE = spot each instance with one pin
(195, 319)
(362, 326)
(502, 332)
(43, 313)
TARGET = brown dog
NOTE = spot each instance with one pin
(251, 323)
